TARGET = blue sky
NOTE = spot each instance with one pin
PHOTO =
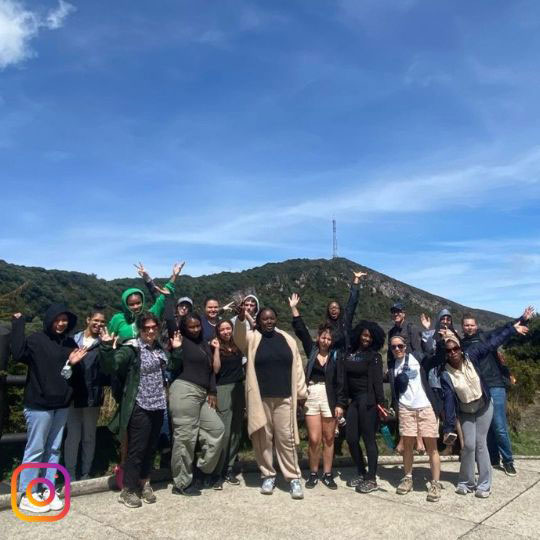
(228, 134)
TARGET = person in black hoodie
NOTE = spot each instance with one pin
(360, 392)
(321, 401)
(88, 383)
(49, 354)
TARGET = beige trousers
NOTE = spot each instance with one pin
(278, 432)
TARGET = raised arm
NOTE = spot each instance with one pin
(216, 357)
(352, 302)
(478, 350)
(19, 347)
(299, 327)
(240, 330)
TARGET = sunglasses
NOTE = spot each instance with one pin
(400, 346)
(453, 350)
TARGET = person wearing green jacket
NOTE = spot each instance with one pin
(140, 364)
(123, 324)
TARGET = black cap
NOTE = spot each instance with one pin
(398, 306)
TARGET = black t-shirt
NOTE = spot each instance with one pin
(196, 367)
(231, 369)
(273, 365)
(318, 374)
(356, 371)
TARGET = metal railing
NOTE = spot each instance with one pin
(6, 381)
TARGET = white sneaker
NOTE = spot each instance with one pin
(27, 506)
(56, 504)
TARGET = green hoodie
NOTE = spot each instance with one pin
(123, 324)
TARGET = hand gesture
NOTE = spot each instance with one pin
(528, 313)
(177, 268)
(17, 315)
(241, 311)
(446, 333)
(212, 401)
(77, 355)
(141, 270)
(176, 340)
(106, 338)
(338, 412)
(228, 307)
(521, 329)
(294, 300)
(214, 343)
(426, 321)
(358, 276)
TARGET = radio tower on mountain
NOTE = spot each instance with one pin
(334, 245)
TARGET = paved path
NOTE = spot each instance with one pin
(512, 512)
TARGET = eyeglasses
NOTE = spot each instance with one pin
(399, 346)
(151, 328)
(452, 350)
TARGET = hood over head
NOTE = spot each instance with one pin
(440, 315)
(52, 312)
(256, 301)
(127, 293)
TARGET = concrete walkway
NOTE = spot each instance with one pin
(512, 512)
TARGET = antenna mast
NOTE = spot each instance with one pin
(334, 247)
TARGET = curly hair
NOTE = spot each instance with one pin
(378, 335)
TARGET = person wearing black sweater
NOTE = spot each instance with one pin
(49, 355)
(360, 392)
(321, 401)
(192, 405)
(230, 400)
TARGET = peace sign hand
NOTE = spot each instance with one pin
(141, 270)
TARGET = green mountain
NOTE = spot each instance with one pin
(317, 282)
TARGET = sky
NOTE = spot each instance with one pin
(229, 134)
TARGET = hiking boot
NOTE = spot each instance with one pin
(268, 485)
(356, 481)
(482, 494)
(230, 478)
(434, 492)
(56, 504)
(190, 491)
(509, 469)
(27, 506)
(367, 486)
(405, 485)
(296, 489)
(328, 481)
(130, 499)
(147, 494)
(312, 481)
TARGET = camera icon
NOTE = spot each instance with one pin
(48, 484)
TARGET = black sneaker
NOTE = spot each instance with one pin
(509, 469)
(328, 481)
(230, 478)
(217, 483)
(190, 491)
(367, 486)
(353, 482)
(312, 481)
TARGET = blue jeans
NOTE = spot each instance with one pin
(44, 432)
(499, 444)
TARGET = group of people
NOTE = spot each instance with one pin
(193, 377)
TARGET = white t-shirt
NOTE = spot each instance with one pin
(415, 396)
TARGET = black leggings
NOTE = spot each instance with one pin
(362, 422)
(143, 432)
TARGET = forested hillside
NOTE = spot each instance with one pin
(316, 281)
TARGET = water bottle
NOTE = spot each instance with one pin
(387, 436)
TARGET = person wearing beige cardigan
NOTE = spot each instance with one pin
(275, 383)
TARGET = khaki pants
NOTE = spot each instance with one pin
(193, 419)
(278, 431)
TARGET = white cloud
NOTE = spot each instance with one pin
(18, 26)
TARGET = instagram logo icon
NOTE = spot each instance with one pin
(34, 501)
